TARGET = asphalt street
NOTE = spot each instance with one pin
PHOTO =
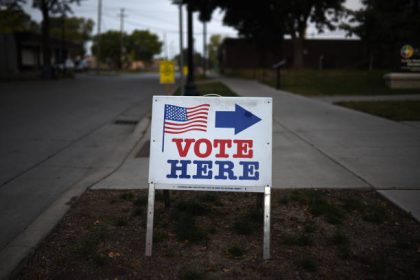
(55, 133)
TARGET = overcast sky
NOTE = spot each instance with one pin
(161, 18)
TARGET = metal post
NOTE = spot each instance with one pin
(204, 48)
(190, 89)
(62, 56)
(267, 206)
(278, 78)
(98, 34)
(181, 49)
(122, 15)
(150, 214)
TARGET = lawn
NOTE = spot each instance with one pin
(315, 234)
(408, 110)
(327, 82)
(209, 87)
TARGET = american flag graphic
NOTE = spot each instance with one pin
(183, 119)
(179, 119)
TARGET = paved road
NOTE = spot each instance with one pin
(54, 134)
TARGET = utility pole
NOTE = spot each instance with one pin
(98, 34)
(204, 48)
(166, 46)
(181, 48)
(122, 16)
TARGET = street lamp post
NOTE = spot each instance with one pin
(190, 89)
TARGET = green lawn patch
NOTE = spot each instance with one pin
(211, 88)
(408, 110)
(326, 82)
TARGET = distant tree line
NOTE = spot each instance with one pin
(116, 49)
(385, 25)
(56, 23)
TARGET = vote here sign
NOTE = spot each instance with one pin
(211, 143)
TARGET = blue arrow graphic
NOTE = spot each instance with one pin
(240, 119)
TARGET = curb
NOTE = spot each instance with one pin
(18, 250)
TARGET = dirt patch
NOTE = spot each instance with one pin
(316, 234)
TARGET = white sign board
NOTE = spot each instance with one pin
(211, 143)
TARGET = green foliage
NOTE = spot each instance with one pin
(87, 245)
(403, 241)
(143, 45)
(302, 239)
(139, 45)
(352, 204)
(192, 275)
(318, 205)
(54, 6)
(158, 236)
(331, 213)
(139, 205)
(236, 251)
(268, 21)
(385, 24)
(340, 238)
(209, 197)
(215, 41)
(310, 228)
(128, 196)
(187, 229)
(76, 29)
(375, 214)
(140, 201)
(121, 222)
(110, 47)
(298, 196)
(16, 20)
(249, 222)
(192, 208)
(184, 213)
(138, 211)
(309, 264)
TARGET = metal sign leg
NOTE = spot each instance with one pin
(267, 202)
(150, 213)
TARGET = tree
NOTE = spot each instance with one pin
(48, 8)
(385, 25)
(14, 19)
(110, 43)
(143, 45)
(215, 41)
(268, 21)
(75, 29)
(323, 13)
(262, 23)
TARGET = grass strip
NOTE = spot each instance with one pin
(395, 110)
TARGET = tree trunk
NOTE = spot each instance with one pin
(46, 50)
(298, 52)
